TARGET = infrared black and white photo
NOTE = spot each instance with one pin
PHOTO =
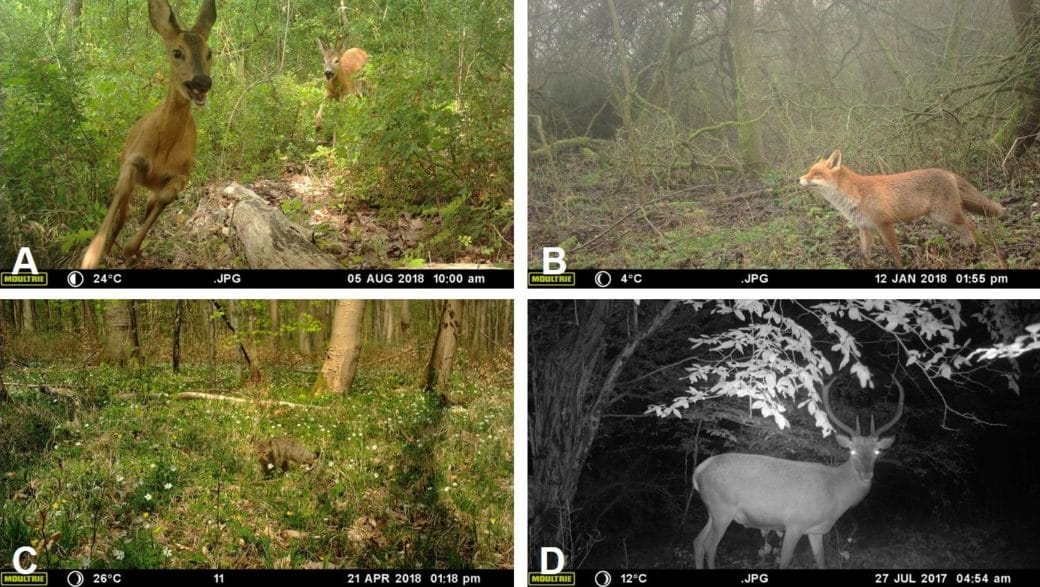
(890, 434)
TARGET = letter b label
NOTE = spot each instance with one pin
(553, 264)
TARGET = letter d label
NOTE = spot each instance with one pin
(553, 264)
(546, 551)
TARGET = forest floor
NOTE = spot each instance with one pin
(193, 233)
(121, 474)
(943, 546)
(770, 224)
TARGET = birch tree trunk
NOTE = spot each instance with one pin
(341, 359)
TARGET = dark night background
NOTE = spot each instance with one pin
(610, 484)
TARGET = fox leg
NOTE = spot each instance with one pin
(866, 242)
(966, 227)
(888, 236)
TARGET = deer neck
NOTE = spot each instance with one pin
(853, 487)
(175, 114)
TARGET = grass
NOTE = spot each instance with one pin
(740, 224)
(123, 475)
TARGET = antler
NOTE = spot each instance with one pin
(827, 406)
(899, 412)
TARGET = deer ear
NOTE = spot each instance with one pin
(884, 443)
(843, 440)
(163, 21)
(207, 16)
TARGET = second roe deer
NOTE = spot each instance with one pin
(160, 150)
(340, 68)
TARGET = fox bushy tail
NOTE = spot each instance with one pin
(973, 201)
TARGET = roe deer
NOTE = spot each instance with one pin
(158, 153)
(340, 68)
(795, 497)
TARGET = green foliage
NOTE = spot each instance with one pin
(146, 481)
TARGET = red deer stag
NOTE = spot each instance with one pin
(340, 68)
(158, 153)
(795, 497)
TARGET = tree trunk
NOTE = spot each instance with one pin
(1026, 118)
(627, 118)
(303, 338)
(211, 339)
(405, 317)
(341, 359)
(26, 317)
(178, 319)
(119, 346)
(89, 323)
(741, 40)
(442, 357)
(4, 396)
(73, 12)
(571, 386)
(244, 347)
(276, 325)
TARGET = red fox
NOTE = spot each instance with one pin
(876, 202)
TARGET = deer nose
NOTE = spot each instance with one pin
(200, 83)
(328, 74)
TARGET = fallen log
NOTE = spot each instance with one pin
(268, 239)
(190, 395)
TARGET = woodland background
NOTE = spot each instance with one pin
(671, 133)
(127, 433)
(420, 169)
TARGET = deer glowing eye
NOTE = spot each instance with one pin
(877, 451)
(178, 54)
(852, 452)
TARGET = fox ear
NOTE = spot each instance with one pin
(834, 161)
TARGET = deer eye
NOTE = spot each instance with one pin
(209, 54)
(877, 451)
(178, 54)
(852, 451)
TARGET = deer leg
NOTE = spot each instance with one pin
(791, 538)
(698, 545)
(816, 542)
(156, 204)
(318, 116)
(116, 216)
(718, 528)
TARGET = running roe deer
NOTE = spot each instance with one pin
(160, 150)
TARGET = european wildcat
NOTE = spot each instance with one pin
(279, 453)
